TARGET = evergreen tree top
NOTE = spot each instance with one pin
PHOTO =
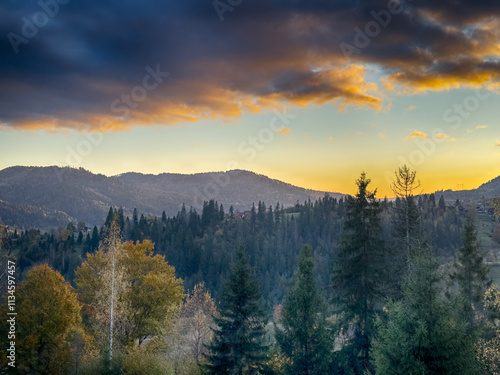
(239, 345)
(242, 285)
(304, 338)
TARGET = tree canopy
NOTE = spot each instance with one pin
(47, 311)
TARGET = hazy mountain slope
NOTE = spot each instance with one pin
(491, 188)
(33, 196)
(13, 213)
(238, 188)
(488, 190)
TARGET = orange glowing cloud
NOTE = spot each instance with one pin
(408, 83)
(289, 55)
(284, 131)
(198, 100)
(343, 86)
(444, 136)
(417, 134)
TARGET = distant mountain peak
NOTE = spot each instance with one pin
(30, 195)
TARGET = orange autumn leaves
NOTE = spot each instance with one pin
(50, 311)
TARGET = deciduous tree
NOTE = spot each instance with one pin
(132, 299)
(196, 321)
(47, 311)
(404, 186)
(489, 349)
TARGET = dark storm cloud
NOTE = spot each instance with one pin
(74, 70)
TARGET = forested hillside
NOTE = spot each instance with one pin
(44, 197)
(201, 245)
(346, 282)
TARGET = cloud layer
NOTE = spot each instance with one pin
(86, 67)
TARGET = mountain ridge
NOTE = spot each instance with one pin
(45, 197)
(58, 194)
(487, 190)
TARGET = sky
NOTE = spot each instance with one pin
(307, 92)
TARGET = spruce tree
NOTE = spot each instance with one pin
(421, 334)
(95, 239)
(80, 238)
(431, 202)
(442, 204)
(303, 338)
(471, 274)
(238, 346)
(359, 275)
(109, 218)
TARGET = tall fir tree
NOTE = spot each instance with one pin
(358, 278)
(95, 239)
(238, 346)
(421, 334)
(303, 337)
(471, 274)
(407, 217)
(109, 218)
(442, 204)
(431, 202)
